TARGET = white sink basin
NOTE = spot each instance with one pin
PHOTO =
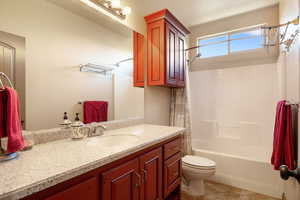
(113, 140)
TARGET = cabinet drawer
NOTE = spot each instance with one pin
(172, 148)
(87, 190)
(172, 174)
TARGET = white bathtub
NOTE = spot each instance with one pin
(242, 172)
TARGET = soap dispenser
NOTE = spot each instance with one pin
(79, 131)
(77, 117)
(66, 122)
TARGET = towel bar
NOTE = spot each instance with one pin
(285, 173)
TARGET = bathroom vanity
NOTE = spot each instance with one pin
(133, 163)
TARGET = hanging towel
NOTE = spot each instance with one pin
(283, 142)
(15, 140)
(3, 106)
(95, 111)
(289, 154)
(295, 111)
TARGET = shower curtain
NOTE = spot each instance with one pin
(180, 114)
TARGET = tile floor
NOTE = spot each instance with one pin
(216, 191)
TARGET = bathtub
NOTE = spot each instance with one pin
(244, 172)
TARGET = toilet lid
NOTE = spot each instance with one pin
(198, 162)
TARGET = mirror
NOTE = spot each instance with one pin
(44, 53)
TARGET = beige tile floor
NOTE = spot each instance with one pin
(216, 191)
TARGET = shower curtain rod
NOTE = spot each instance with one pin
(125, 60)
(294, 21)
(291, 103)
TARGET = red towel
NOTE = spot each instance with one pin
(95, 111)
(283, 142)
(13, 123)
(3, 106)
(289, 148)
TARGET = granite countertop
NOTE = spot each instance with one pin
(55, 162)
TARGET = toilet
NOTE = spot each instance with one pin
(195, 170)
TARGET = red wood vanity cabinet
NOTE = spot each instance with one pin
(138, 59)
(138, 179)
(151, 174)
(165, 53)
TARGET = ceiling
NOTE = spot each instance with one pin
(193, 12)
(189, 12)
(91, 14)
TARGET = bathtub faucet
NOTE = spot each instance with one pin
(285, 173)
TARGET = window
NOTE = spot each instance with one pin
(231, 42)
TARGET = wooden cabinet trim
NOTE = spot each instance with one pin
(138, 59)
(172, 148)
(152, 183)
(166, 50)
(121, 182)
(167, 15)
(88, 189)
(181, 60)
(156, 53)
(171, 55)
(170, 183)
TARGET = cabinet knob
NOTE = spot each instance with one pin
(285, 173)
(145, 175)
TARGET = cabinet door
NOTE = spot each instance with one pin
(151, 170)
(122, 182)
(87, 190)
(172, 174)
(156, 53)
(181, 64)
(171, 55)
(138, 59)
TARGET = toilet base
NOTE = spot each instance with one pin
(194, 188)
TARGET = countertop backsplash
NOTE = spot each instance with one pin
(51, 135)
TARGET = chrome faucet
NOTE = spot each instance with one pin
(81, 130)
(96, 130)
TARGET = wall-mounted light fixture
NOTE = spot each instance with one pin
(114, 7)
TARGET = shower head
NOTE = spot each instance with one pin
(190, 61)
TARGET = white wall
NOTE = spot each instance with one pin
(128, 100)
(57, 41)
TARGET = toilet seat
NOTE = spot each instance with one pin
(198, 162)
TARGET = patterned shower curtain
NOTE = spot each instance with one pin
(180, 115)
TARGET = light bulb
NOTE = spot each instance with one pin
(115, 3)
(106, 4)
(126, 10)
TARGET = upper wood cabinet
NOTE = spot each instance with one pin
(166, 45)
(138, 59)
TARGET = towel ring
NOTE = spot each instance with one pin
(6, 77)
(4, 156)
(2, 85)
